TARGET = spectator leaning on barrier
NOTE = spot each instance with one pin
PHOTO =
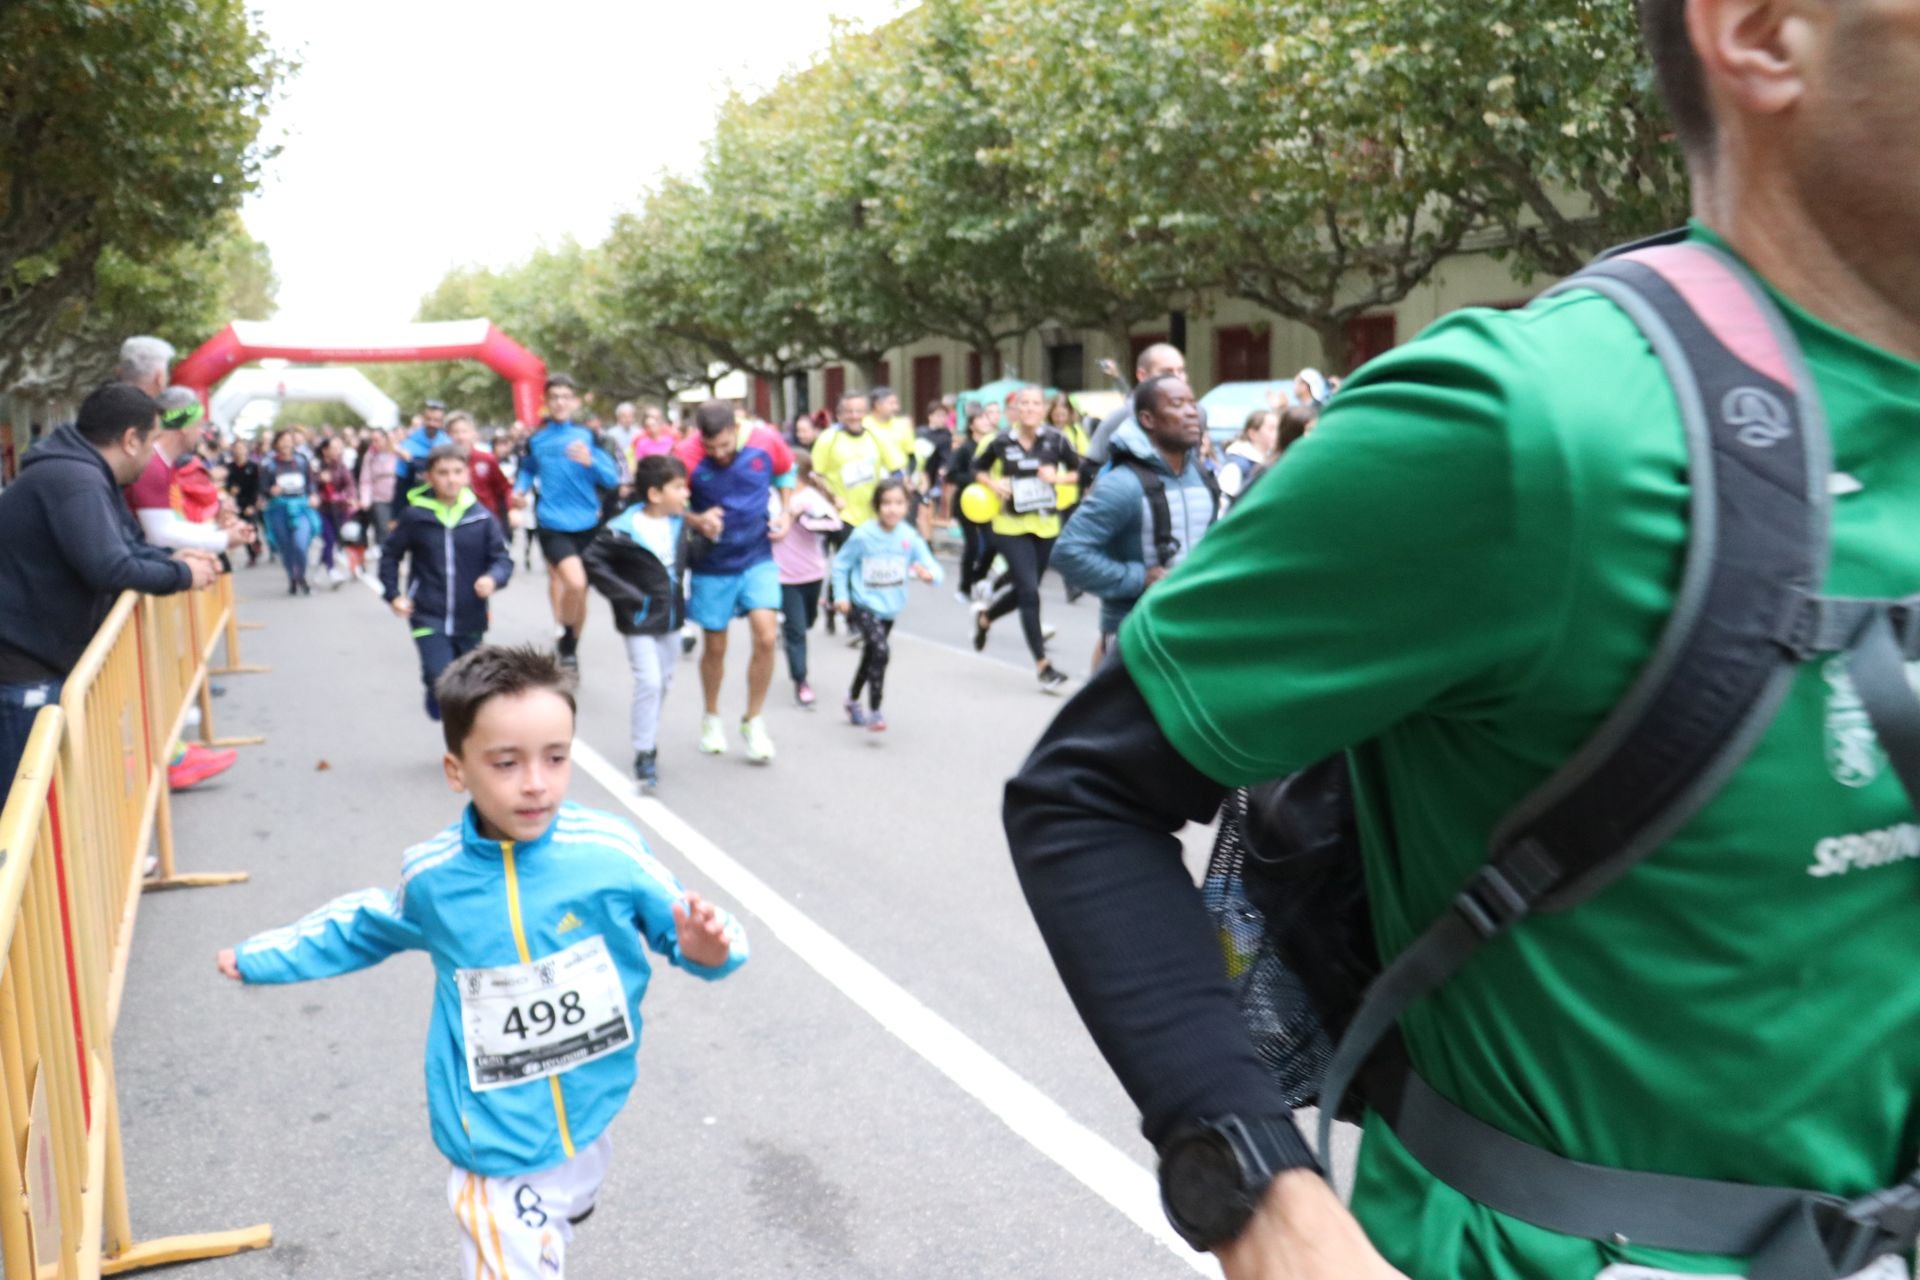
(69, 547)
(1156, 361)
(1736, 1011)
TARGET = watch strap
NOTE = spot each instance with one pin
(1268, 1145)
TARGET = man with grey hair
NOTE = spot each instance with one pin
(1162, 359)
(144, 362)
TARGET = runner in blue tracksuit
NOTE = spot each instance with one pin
(535, 919)
(569, 469)
(409, 470)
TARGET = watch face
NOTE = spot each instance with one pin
(1205, 1189)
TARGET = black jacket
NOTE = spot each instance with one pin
(451, 550)
(68, 547)
(645, 595)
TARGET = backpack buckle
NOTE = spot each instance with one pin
(1873, 1226)
(1491, 903)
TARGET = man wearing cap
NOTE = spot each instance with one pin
(175, 499)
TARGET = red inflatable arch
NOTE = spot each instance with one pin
(244, 341)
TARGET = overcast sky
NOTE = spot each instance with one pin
(420, 136)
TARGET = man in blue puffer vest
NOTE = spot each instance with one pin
(1115, 547)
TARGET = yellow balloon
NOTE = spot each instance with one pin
(979, 503)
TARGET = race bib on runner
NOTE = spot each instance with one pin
(1032, 494)
(884, 571)
(525, 1021)
(855, 474)
(290, 482)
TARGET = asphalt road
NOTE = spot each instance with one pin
(894, 1086)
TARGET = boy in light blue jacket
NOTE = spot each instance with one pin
(534, 911)
(870, 589)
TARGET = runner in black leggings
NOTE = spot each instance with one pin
(1023, 467)
(976, 546)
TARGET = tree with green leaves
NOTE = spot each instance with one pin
(126, 133)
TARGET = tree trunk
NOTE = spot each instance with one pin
(1332, 332)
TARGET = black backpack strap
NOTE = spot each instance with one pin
(1758, 465)
(1155, 489)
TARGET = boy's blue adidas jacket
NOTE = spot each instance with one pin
(569, 498)
(470, 902)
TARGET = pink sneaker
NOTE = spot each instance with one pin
(876, 723)
(803, 693)
(197, 765)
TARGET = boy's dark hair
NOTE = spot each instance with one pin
(1677, 71)
(714, 418)
(495, 671)
(562, 380)
(106, 414)
(441, 453)
(886, 486)
(656, 471)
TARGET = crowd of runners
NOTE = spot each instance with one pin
(686, 527)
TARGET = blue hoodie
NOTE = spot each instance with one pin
(472, 903)
(569, 500)
(1106, 549)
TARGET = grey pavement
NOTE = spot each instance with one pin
(777, 1129)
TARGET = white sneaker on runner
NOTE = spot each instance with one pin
(759, 742)
(713, 735)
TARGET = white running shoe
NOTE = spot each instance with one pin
(713, 735)
(759, 742)
(1048, 631)
(983, 592)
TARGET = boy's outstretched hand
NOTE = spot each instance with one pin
(701, 931)
(229, 964)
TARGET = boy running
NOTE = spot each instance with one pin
(870, 585)
(459, 558)
(569, 470)
(637, 563)
(534, 911)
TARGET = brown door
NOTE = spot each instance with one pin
(1369, 336)
(835, 378)
(926, 385)
(1242, 354)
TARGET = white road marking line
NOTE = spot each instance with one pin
(1096, 1163)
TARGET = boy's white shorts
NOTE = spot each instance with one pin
(517, 1228)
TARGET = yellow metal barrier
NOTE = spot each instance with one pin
(66, 917)
(235, 664)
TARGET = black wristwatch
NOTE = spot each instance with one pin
(1213, 1173)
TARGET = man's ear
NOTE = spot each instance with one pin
(456, 774)
(1755, 51)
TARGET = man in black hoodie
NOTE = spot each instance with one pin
(69, 547)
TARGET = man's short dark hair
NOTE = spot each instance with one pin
(714, 419)
(434, 404)
(495, 671)
(442, 453)
(109, 411)
(562, 380)
(1677, 71)
(848, 398)
(1151, 395)
(656, 471)
(877, 394)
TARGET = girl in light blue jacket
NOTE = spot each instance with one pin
(870, 586)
